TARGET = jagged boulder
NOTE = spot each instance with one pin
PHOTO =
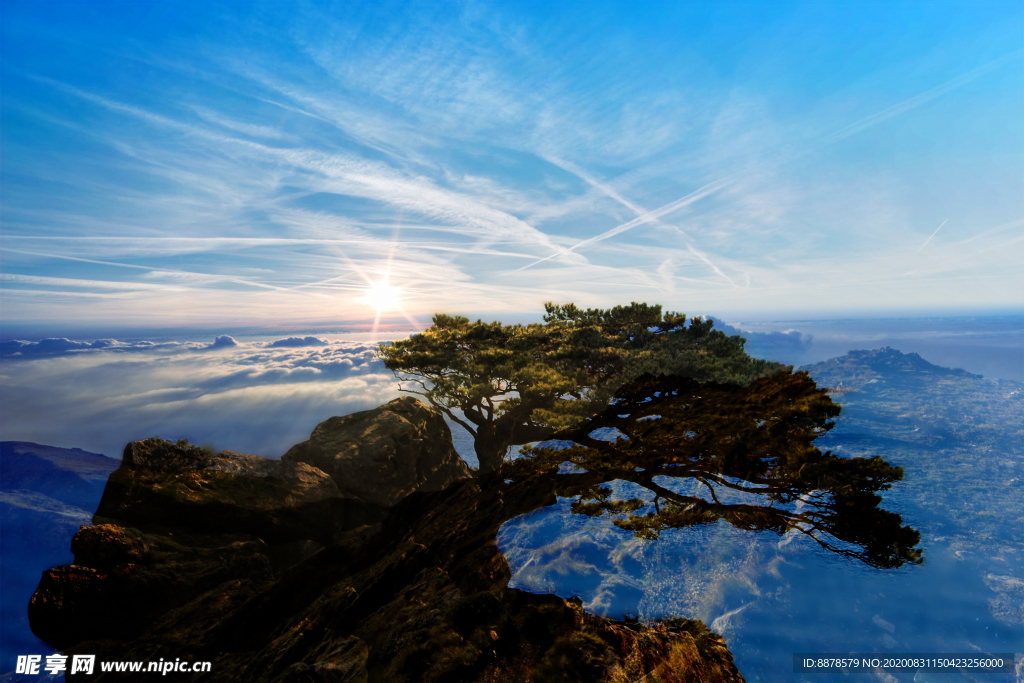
(383, 455)
(421, 597)
(123, 579)
(161, 483)
(213, 557)
(176, 521)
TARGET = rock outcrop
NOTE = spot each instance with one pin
(383, 455)
(176, 521)
(257, 567)
(160, 484)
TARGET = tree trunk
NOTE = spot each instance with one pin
(493, 439)
(490, 451)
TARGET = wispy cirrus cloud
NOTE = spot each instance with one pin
(265, 173)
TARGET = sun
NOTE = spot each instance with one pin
(383, 297)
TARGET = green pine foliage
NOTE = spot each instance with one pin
(516, 384)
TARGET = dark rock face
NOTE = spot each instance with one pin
(256, 567)
(383, 455)
(175, 522)
(123, 579)
(421, 598)
(162, 484)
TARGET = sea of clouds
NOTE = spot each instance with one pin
(251, 397)
(264, 396)
(258, 397)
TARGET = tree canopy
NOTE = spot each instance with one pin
(657, 421)
(517, 384)
(671, 452)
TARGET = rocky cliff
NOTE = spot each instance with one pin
(280, 571)
(383, 455)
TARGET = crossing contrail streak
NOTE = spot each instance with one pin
(648, 217)
(211, 276)
(932, 235)
(845, 132)
(640, 211)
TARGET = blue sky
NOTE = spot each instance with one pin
(288, 165)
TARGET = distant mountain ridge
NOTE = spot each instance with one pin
(46, 493)
(858, 368)
(71, 475)
(915, 402)
(959, 438)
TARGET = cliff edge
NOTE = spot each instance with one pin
(283, 571)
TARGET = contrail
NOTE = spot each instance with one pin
(933, 235)
(640, 211)
(269, 241)
(918, 100)
(226, 278)
(576, 170)
(845, 132)
(703, 257)
(648, 217)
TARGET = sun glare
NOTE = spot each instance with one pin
(383, 297)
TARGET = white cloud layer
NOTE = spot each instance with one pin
(257, 397)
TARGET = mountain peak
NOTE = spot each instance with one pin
(862, 367)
